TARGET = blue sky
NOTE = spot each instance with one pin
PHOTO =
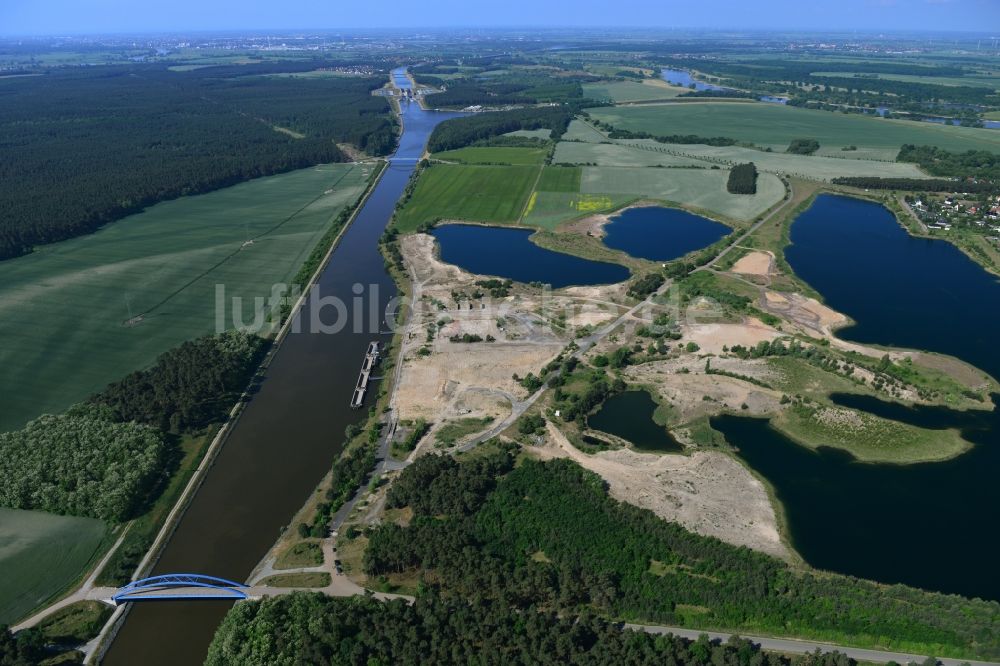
(90, 16)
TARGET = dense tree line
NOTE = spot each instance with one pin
(82, 463)
(26, 648)
(940, 162)
(616, 133)
(644, 285)
(577, 405)
(803, 146)
(916, 184)
(349, 473)
(549, 535)
(509, 87)
(80, 148)
(190, 386)
(310, 628)
(460, 132)
(742, 179)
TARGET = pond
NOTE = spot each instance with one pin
(930, 524)
(629, 415)
(661, 234)
(507, 253)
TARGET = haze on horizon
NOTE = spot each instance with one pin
(57, 17)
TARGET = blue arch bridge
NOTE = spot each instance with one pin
(180, 586)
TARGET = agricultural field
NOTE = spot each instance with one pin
(532, 134)
(581, 131)
(549, 209)
(81, 313)
(617, 154)
(812, 167)
(476, 193)
(980, 80)
(774, 126)
(42, 554)
(559, 179)
(631, 91)
(494, 155)
(699, 188)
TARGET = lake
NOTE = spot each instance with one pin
(661, 234)
(931, 524)
(507, 253)
(629, 415)
(679, 77)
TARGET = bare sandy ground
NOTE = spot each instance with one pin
(686, 392)
(713, 337)
(707, 492)
(805, 312)
(754, 263)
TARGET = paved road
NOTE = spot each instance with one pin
(803, 647)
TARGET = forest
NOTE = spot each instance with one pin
(511, 86)
(82, 463)
(107, 457)
(190, 386)
(461, 132)
(742, 179)
(940, 162)
(546, 534)
(81, 148)
(305, 628)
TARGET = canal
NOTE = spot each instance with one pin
(289, 433)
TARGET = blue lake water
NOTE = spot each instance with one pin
(932, 525)
(629, 415)
(661, 234)
(507, 253)
(679, 77)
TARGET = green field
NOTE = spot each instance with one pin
(41, 555)
(549, 209)
(494, 155)
(630, 91)
(468, 192)
(581, 131)
(559, 179)
(773, 125)
(982, 81)
(699, 188)
(614, 154)
(63, 308)
(532, 134)
(813, 167)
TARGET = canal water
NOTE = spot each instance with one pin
(288, 435)
(932, 525)
(629, 415)
(661, 234)
(507, 253)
